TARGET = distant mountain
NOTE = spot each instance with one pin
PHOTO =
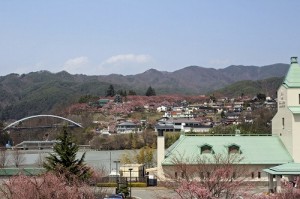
(195, 79)
(45, 92)
(251, 88)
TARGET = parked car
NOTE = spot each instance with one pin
(115, 196)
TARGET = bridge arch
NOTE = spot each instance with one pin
(37, 116)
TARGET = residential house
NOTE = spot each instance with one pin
(127, 127)
(162, 109)
(102, 102)
(183, 125)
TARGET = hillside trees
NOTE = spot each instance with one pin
(150, 91)
(4, 136)
(261, 124)
(170, 138)
(110, 92)
(261, 96)
(143, 156)
(131, 92)
(122, 92)
(124, 141)
(87, 98)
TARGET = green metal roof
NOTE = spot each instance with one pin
(295, 109)
(285, 169)
(254, 149)
(292, 79)
(24, 171)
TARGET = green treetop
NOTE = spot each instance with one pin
(150, 91)
(110, 92)
(63, 161)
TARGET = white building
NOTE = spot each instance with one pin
(263, 156)
(286, 123)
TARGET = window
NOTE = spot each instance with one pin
(252, 175)
(299, 98)
(182, 174)
(283, 123)
(206, 149)
(259, 174)
(201, 175)
(176, 176)
(233, 149)
(233, 175)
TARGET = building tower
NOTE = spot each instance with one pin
(286, 122)
(160, 148)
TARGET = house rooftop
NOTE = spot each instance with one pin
(285, 169)
(24, 171)
(182, 120)
(127, 124)
(253, 149)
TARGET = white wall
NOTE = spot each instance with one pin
(293, 97)
(284, 132)
(296, 138)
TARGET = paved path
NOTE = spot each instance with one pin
(153, 192)
(165, 193)
(149, 192)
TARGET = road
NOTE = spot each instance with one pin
(153, 192)
(165, 193)
(149, 192)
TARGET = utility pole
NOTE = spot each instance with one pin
(130, 180)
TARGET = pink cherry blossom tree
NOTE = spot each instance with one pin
(216, 177)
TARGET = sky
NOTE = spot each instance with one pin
(100, 37)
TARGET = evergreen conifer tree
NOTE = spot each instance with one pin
(63, 161)
(150, 91)
(110, 91)
(131, 92)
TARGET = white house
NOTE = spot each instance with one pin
(127, 127)
(161, 109)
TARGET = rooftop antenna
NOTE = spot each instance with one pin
(237, 132)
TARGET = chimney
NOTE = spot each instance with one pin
(294, 60)
(160, 148)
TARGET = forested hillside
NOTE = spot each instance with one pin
(251, 88)
(45, 92)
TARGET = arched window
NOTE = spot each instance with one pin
(234, 149)
(206, 149)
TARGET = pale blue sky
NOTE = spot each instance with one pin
(97, 37)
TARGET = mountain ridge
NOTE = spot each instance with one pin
(43, 91)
